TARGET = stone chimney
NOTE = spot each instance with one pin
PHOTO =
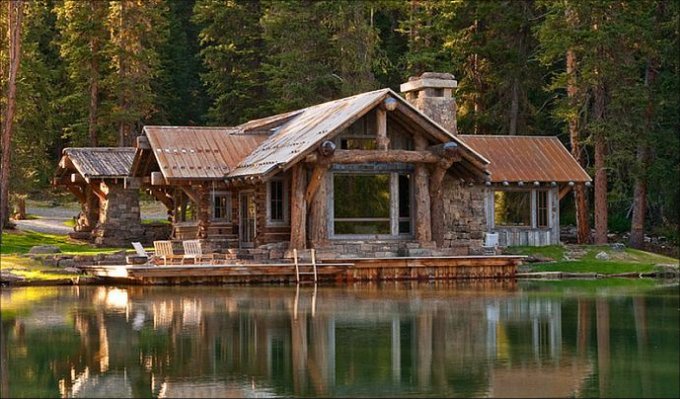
(432, 94)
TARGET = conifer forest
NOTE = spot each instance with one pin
(601, 75)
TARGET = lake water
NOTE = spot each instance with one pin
(607, 338)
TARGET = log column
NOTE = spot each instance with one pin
(318, 210)
(423, 229)
(382, 140)
(298, 209)
(203, 204)
(449, 154)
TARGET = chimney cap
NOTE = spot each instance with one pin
(429, 80)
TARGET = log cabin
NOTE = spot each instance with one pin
(372, 175)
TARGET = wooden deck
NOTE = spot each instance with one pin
(336, 270)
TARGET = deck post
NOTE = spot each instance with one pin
(318, 213)
(298, 209)
(423, 225)
(437, 200)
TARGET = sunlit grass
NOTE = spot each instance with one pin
(627, 261)
(20, 242)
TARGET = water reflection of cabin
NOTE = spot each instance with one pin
(374, 174)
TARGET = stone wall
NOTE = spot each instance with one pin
(464, 216)
(119, 220)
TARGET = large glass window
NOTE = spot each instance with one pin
(277, 199)
(221, 209)
(371, 204)
(512, 208)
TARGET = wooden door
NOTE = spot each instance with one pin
(247, 219)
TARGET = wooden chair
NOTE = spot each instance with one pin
(140, 257)
(194, 251)
(163, 251)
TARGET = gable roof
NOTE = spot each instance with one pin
(527, 159)
(187, 152)
(98, 162)
(307, 128)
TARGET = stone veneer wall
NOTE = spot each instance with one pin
(464, 216)
(119, 218)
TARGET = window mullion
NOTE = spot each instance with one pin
(394, 204)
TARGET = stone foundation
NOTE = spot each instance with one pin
(464, 216)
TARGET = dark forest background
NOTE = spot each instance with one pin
(600, 75)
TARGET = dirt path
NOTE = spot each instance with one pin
(51, 218)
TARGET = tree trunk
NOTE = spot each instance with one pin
(580, 200)
(637, 228)
(298, 209)
(514, 107)
(423, 223)
(600, 169)
(15, 15)
(94, 94)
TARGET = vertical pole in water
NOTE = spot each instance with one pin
(314, 263)
(297, 268)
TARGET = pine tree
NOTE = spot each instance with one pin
(232, 52)
(83, 37)
(137, 28)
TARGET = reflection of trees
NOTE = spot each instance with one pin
(444, 339)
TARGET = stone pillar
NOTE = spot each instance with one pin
(119, 218)
(432, 94)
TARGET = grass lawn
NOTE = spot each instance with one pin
(626, 261)
(16, 243)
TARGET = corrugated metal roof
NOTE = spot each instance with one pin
(187, 152)
(101, 162)
(310, 126)
(527, 158)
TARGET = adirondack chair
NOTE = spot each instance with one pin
(141, 256)
(163, 252)
(194, 251)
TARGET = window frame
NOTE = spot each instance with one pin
(533, 212)
(394, 218)
(286, 212)
(229, 210)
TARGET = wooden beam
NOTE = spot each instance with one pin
(193, 195)
(381, 121)
(298, 209)
(163, 197)
(449, 150)
(315, 180)
(564, 191)
(391, 156)
(78, 191)
(97, 190)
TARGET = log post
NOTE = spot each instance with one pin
(423, 225)
(318, 215)
(381, 121)
(203, 204)
(298, 209)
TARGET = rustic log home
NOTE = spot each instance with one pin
(374, 175)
